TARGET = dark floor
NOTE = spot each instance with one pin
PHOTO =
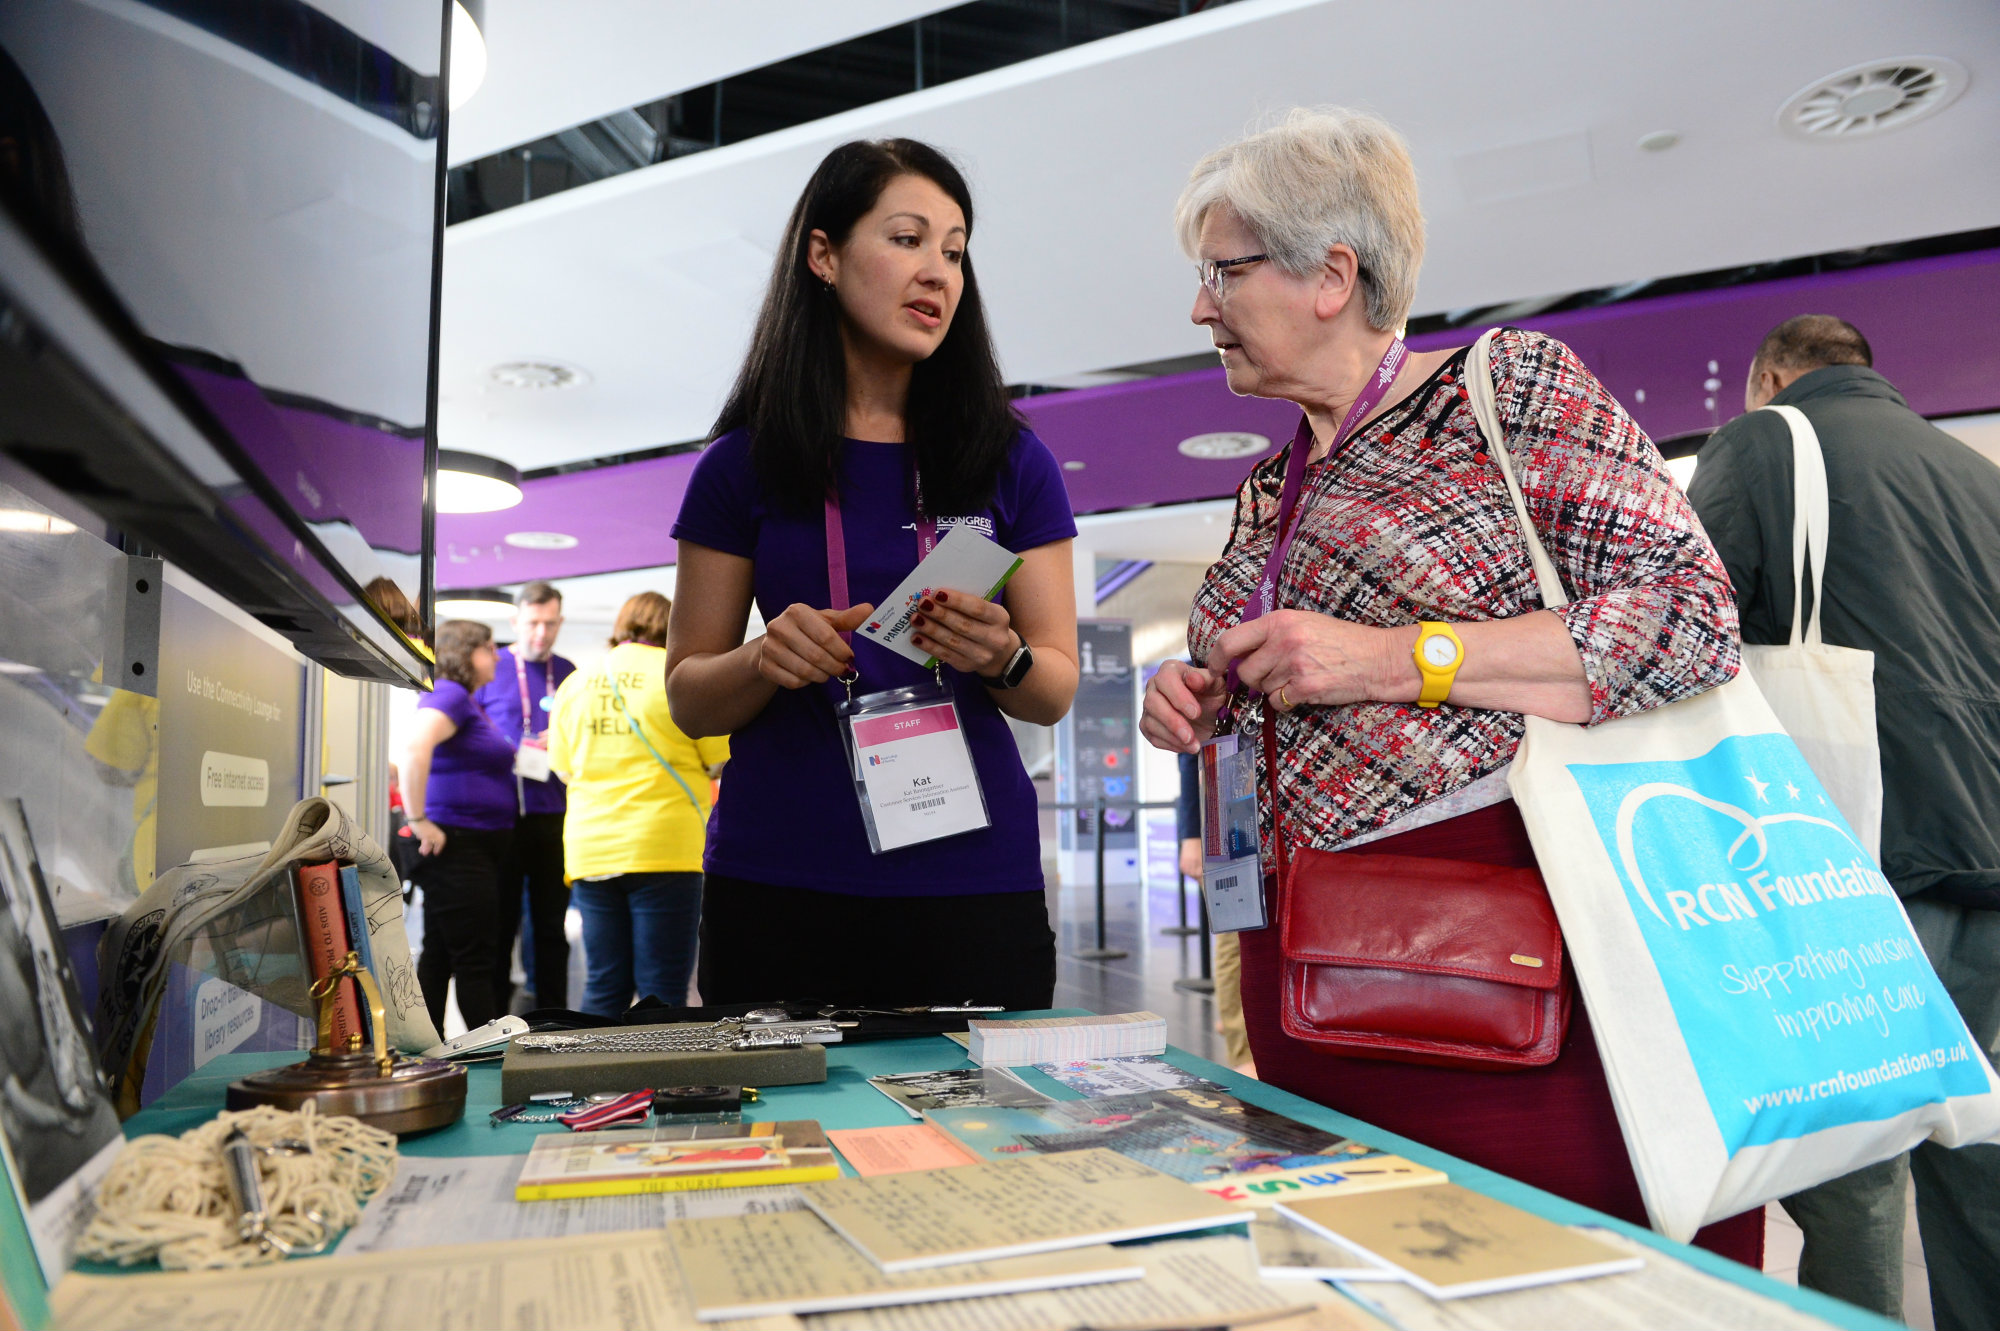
(1142, 980)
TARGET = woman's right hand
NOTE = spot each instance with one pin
(803, 646)
(1181, 705)
(430, 837)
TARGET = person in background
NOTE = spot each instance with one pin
(518, 698)
(870, 403)
(1912, 568)
(638, 815)
(1308, 238)
(458, 794)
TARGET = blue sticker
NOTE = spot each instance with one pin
(1774, 931)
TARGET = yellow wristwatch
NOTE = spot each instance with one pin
(1439, 654)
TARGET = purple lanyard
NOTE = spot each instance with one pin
(527, 717)
(836, 546)
(1264, 596)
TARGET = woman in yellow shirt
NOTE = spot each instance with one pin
(638, 813)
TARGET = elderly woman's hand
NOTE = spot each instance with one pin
(1181, 705)
(1296, 657)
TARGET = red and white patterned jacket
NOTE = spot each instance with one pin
(1411, 521)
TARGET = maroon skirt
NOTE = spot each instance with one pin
(1552, 1127)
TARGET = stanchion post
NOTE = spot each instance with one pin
(1205, 982)
(1100, 952)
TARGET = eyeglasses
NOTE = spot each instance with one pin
(1215, 272)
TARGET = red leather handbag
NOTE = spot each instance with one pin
(1418, 960)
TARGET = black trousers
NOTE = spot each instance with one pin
(760, 942)
(536, 860)
(462, 892)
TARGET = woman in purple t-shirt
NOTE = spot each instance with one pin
(871, 405)
(458, 789)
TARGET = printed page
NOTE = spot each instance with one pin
(470, 1199)
(794, 1263)
(625, 1282)
(1188, 1282)
(1010, 1207)
(898, 1150)
(1286, 1249)
(1664, 1292)
(1094, 1079)
(1454, 1240)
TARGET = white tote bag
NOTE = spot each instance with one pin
(1766, 1017)
(1823, 694)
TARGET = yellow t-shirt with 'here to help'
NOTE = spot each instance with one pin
(626, 815)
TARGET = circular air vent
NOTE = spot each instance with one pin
(1872, 98)
(540, 540)
(537, 374)
(1224, 445)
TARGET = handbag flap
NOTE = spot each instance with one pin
(1406, 912)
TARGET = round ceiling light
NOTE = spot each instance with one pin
(537, 374)
(475, 483)
(1863, 100)
(474, 603)
(540, 540)
(1223, 445)
(468, 52)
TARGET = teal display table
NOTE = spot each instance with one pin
(845, 1100)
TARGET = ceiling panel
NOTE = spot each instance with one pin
(648, 281)
(550, 66)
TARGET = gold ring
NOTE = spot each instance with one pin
(1284, 699)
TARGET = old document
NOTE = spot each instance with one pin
(592, 1282)
(1188, 1282)
(1664, 1292)
(1008, 1208)
(749, 1265)
(470, 1199)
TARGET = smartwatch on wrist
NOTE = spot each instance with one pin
(1017, 668)
(1439, 653)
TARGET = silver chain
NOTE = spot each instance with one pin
(727, 1034)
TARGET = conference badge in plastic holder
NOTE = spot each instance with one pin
(912, 771)
(1232, 880)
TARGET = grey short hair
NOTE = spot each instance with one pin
(1322, 176)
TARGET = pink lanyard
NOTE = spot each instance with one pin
(836, 546)
(527, 717)
(1264, 596)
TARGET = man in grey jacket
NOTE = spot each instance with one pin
(1913, 575)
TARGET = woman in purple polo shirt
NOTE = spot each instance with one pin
(458, 789)
(869, 416)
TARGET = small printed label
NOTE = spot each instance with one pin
(232, 781)
(224, 1017)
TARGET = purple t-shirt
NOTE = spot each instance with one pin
(501, 697)
(788, 813)
(472, 773)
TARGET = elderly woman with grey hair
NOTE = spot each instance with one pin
(1374, 633)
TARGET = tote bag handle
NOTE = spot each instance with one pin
(1810, 518)
(1479, 384)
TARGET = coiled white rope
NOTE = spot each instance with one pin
(169, 1198)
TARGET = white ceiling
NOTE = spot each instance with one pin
(648, 281)
(550, 66)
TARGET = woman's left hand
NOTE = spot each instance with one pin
(1297, 657)
(965, 632)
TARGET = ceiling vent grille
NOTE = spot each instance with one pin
(1865, 100)
(537, 374)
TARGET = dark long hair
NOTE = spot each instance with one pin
(792, 390)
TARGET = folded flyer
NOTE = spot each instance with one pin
(675, 1158)
(962, 561)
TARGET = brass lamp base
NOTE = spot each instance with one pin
(418, 1094)
(396, 1094)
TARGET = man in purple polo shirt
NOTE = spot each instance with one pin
(525, 680)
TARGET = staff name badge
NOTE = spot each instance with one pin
(1232, 879)
(913, 772)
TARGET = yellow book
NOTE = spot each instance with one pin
(675, 1158)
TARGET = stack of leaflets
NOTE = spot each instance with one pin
(1060, 1039)
(1096, 1078)
(675, 1158)
(1232, 1150)
(917, 1093)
